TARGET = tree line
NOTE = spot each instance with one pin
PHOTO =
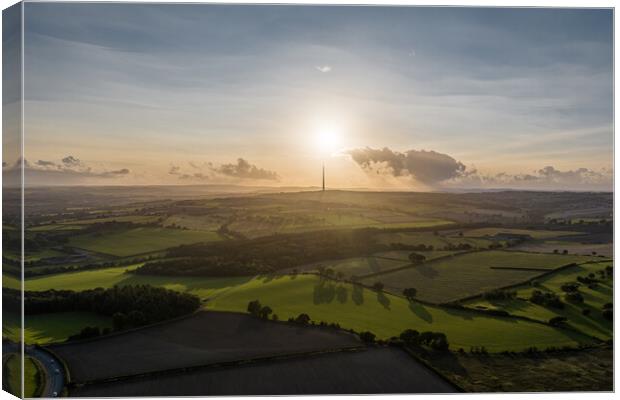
(265, 254)
(129, 306)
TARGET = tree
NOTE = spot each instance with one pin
(254, 307)
(119, 321)
(303, 319)
(410, 293)
(574, 297)
(410, 336)
(378, 286)
(416, 258)
(367, 337)
(564, 251)
(265, 312)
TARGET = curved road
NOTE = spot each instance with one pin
(52, 368)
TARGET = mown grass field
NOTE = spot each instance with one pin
(375, 370)
(536, 234)
(139, 240)
(594, 299)
(549, 246)
(465, 275)
(53, 327)
(200, 339)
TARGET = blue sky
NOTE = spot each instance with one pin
(174, 93)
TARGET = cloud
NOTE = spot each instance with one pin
(428, 167)
(69, 170)
(242, 169)
(43, 163)
(548, 177)
(71, 161)
(122, 171)
(323, 68)
(174, 170)
(245, 170)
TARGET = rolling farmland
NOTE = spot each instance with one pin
(464, 275)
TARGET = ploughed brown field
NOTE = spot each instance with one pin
(201, 339)
(370, 371)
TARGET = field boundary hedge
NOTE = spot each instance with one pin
(530, 280)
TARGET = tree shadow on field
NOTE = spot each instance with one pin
(357, 295)
(383, 300)
(342, 294)
(421, 311)
(324, 293)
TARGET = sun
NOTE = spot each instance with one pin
(328, 138)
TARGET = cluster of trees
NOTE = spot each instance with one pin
(258, 310)
(417, 258)
(434, 340)
(410, 293)
(265, 254)
(88, 333)
(301, 319)
(326, 272)
(129, 306)
(500, 295)
(547, 299)
(458, 247)
(412, 247)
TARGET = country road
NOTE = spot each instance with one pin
(54, 379)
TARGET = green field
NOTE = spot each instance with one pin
(11, 282)
(536, 234)
(271, 221)
(53, 327)
(139, 240)
(32, 375)
(386, 315)
(33, 255)
(203, 287)
(465, 275)
(438, 241)
(359, 308)
(594, 324)
(136, 219)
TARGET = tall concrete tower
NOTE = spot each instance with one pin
(323, 176)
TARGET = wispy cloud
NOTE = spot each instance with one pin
(242, 170)
(323, 68)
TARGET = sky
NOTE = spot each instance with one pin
(386, 97)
